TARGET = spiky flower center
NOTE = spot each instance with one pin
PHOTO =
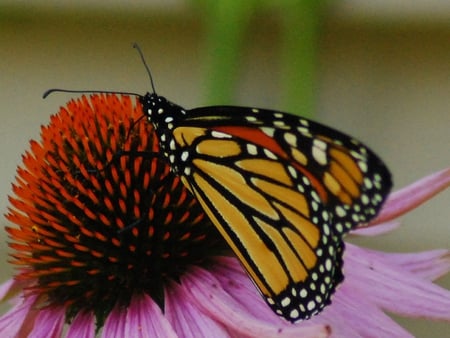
(100, 215)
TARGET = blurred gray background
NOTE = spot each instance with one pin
(383, 75)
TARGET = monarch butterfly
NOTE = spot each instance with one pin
(282, 190)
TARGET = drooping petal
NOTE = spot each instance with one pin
(397, 290)
(429, 265)
(208, 294)
(353, 316)
(376, 229)
(413, 195)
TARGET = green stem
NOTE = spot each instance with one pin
(226, 22)
(301, 21)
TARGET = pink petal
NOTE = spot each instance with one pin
(397, 289)
(83, 326)
(413, 195)
(429, 265)
(10, 288)
(142, 318)
(6, 287)
(376, 229)
(188, 320)
(207, 293)
(49, 323)
(145, 319)
(351, 315)
(238, 285)
(115, 323)
(19, 320)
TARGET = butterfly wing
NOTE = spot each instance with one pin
(281, 190)
(269, 224)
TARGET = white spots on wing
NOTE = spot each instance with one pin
(172, 145)
(269, 154)
(356, 155)
(294, 314)
(368, 183)
(306, 181)
(303, 293)
(292, 171)
(304, 131)
(184, 156)
(291, 139)
(340, 211)
(285, 301)
(315, 196)
(268, 131)
(319, 152)
(251, 149)
(279, 124)
(328, 264)
(363, 166)
(218, 134)
(278, 115)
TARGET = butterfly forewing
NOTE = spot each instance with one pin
(349, 178)
(281, 190)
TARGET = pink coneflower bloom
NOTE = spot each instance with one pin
(116, 246)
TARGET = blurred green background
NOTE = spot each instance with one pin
(378, 70)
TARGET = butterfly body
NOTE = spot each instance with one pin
(282, 190)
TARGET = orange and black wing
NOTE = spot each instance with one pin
(282, 191)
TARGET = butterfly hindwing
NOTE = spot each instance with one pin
(273, 220)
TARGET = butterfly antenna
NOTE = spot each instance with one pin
(59, 90)
(135, 45)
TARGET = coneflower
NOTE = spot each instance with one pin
(108, 241)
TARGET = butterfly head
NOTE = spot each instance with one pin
(160, 112)
(165, 117)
